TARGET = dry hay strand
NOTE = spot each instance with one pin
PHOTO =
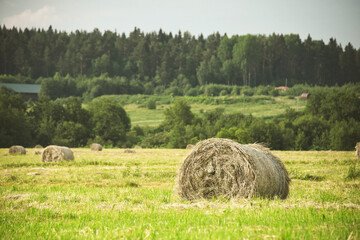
(17, 150)
(54, 153)
(128, 150)
(96, 147)
(190, 146)
(224, 168)
(357, 150)
(38, 146)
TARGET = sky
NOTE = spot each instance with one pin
(322, 19)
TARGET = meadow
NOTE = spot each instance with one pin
(258, 106)
(117, 195)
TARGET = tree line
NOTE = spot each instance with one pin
(153, 62)
(331, 120)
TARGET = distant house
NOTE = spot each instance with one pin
(282, 88)
(305, 95)
(28, 91)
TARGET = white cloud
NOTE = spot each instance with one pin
(41, 18)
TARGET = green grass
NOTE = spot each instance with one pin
(258, 106)
(113, 195)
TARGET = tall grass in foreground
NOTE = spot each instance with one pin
(113, 195)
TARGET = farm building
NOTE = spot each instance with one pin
(28, 91)
(305, 95)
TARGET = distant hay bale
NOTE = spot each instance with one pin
(38, 146)
(128, 150)
(222, 167)
(357, 148)
(17, 150)
(96, 147)
(190, 146)
(38, 152)
(54, 153)
(138, 147)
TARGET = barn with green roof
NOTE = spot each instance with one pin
(28, 91)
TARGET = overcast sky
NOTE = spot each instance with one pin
(322, 19)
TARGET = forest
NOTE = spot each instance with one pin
(154, 62)
(76, 70)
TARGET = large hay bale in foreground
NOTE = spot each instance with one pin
(96, 147)
(357, 149)
(222, 167)
(17, 150)
(54, 153)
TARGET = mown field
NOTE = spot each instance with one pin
(258, 106)
(114, 195)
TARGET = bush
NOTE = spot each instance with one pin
(159, 90)
(151, 103)
(263, 90)
(223, 92)
(192, 92)
(247, 91)
(212, 90)
(174, 91)
(274, 93)
(235, 90)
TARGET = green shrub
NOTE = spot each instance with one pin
(223, 92)
(192, 92)
(274, 93)
(151, 103)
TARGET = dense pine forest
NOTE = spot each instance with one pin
(148, 62)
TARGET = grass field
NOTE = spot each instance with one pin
(274, 106)
(113, 195)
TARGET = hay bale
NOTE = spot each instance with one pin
(54, 153)
(357, 148)
(138, 147)
(38, 146)
(17, 150)
(222, 167)
(128, 150)
(38, 152)
(96, 147)
(190, 146)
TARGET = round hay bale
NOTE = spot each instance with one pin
(38, 146)
(357, 150)
(190, 146)
(17, 150)
(138, 147)
(96, 147)
(54, 153)
(128, 150)
(221, 167)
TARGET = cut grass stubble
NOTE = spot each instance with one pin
(133, 196)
